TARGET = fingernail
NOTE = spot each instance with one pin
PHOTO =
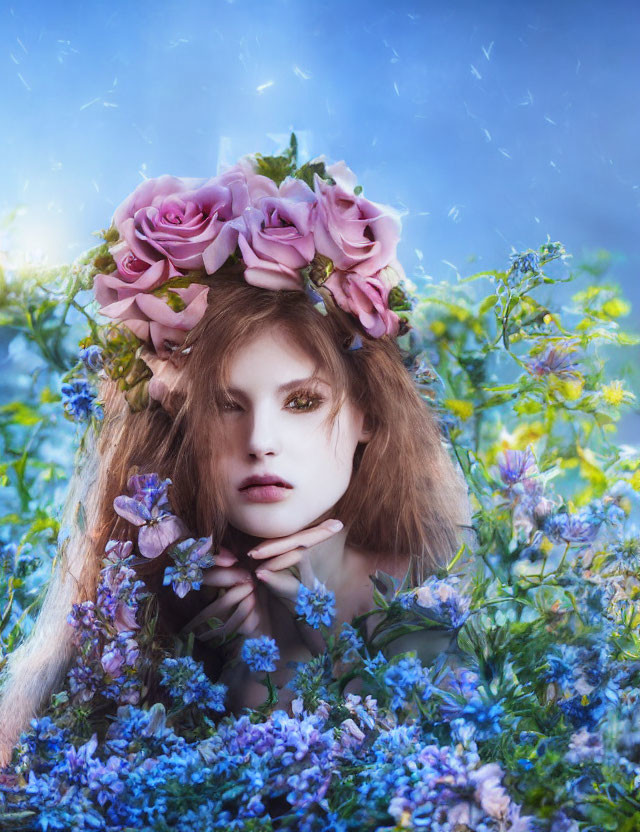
(334, 525)
(251, 554)
(260, 574)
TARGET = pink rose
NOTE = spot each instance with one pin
(277, 239)
(357, 235)
(184, 220)
(150, 318)
(367, 298)
(166, 226)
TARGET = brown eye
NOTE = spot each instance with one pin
(305, 400)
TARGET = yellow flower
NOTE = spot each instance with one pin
(463, 410)
(614, 393)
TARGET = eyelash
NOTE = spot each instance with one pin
(299, 394)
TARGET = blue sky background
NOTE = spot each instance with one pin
(491, 124)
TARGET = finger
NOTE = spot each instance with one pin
(304, 538)
(219, 607)
(225, 557)
(234, 621)
(282, 561)
(225, 576)
(250, 623)
(284, 584)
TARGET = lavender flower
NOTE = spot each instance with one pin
(149, 508)
(119, 653)
(261, 654)
(317, 605)
(190, 558)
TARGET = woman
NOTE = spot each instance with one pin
(353, 440)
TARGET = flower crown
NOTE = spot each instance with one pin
(306, 228)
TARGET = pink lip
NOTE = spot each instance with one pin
(264, 479)
(265, 493)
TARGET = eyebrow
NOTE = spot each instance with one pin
(289, 385)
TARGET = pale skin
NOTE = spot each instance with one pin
(292, 541)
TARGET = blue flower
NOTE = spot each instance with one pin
(78, 400)
(350, 639)
(378, 661)
(404, 678)
(524, 263)
(485, 716)
(581, 527)
(188, 684)
(190, 558)
(317, 605)
(261, 654)
(91, 357)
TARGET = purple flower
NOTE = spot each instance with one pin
(404, 678)
(122, 652)
(190, 558)
(515, 465)
(571, 528)
(150, 509)
(188, 684)
(554, 360)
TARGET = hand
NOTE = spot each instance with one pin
(238, 608)
(284, 564)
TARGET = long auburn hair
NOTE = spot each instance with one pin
(405, 500)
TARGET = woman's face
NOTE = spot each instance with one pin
(274, 422)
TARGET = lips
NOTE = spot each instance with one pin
(266, 479)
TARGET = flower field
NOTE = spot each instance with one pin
(527, 718)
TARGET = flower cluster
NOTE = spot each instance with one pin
(172, 233)
(104, 632)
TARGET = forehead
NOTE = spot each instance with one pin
(271, 355)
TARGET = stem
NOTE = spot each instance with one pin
(273, 692)
(566, 549)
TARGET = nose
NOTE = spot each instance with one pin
(264, 438)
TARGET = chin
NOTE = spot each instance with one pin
(272, 527)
